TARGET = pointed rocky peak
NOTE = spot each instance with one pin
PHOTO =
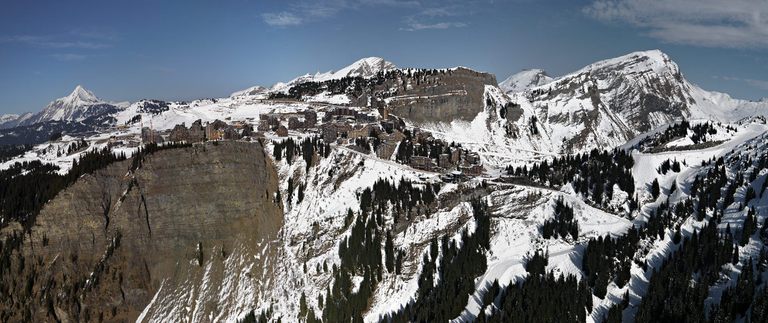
(80, 96)
(524, 80)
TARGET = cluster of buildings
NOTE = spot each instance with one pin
(296, 121)
(216, 130)
(342, 125)
(458, 165)
(454, 160)
(150, 135)
(348, 114)
(197, 132)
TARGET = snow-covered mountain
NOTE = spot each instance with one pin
(611, 101)
(723, 107)
(8, 117)
(257, 90)
(77, 106)
(645, 88)
(12, 120)
(525, 80)
(364, 67)
(231, 228)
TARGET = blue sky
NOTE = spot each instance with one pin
(129, 50)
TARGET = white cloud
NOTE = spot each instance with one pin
(281, 19)
(442, 16)
(68, 57)
(302, 11)
(759, 84)
(440, 12)
(708, 23)
(413, 26)
(419, 15)
(86, 42)
(52, 42)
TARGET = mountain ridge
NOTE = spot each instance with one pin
(636, 65)
(602, 104)
(420, 173)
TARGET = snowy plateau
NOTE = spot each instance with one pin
(379, 193)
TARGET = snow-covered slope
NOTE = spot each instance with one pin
(525, 80)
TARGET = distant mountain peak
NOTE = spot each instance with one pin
(77, 106)
(525, 80)
(366, 67)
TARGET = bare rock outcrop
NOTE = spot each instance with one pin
(179, 228)
(440, 96)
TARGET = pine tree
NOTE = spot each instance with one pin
(303, 305)
(655, 190)
(749, 195)
(676, 238)
(389, 252)
(289, 199)
(614, 314)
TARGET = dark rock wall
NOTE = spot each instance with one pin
(102, 248)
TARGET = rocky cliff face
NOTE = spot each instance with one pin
(638, 92)
(178, 229)
(441, 96)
